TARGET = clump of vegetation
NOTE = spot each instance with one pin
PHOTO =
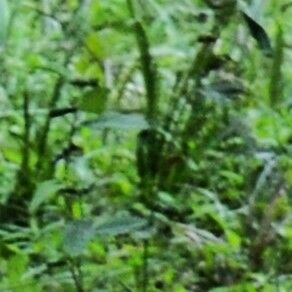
(145, 146)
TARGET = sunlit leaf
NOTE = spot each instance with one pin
(95, 45)
(17, 265)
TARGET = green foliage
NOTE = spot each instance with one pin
(4, 20)
(145, 145)
(94, 101)
(78, 234)
(43, 193)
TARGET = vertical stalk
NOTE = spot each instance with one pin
(276, 81)
(26, 137)
(147, 65)
(24, 182)
(145, 275)
(76, 273)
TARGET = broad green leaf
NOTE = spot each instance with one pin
(77, 235)
(4, 20)
(17, 266)
(94, 101)
(115, 120)
(43, 193)
(259, 34)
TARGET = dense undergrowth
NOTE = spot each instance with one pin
(145, 145)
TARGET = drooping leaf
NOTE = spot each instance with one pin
(115, 120)
(259, 34)
(4, 20)
(43, 193)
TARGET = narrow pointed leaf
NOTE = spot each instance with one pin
(120, 225)
(259, 34)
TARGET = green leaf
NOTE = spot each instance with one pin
(17, 266)
(228, 88)
(259, 34)
(4, 20)
(94, 101)
(43, 193)
(120, 225)
(242, 287)
(115, 120)
(95, 45)
(166, 199)
(77, 235)
(83, 171)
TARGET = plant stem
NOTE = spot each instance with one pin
(76, 275)
(147, 65)
(145, 280)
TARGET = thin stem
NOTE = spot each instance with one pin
(26, 135)
(145, 280)
(76, 274)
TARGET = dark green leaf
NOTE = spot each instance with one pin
(259, 34)
(94, 101)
